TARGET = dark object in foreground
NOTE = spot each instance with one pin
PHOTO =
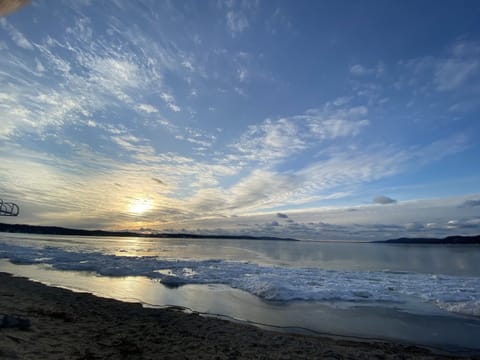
(10, 6)
(12, 321)
(460, 240)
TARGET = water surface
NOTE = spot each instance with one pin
(416, 293)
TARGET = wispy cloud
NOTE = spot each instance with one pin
(270, 140)
(360, 70)
(16, 36)
(458, 67)
(170, 101)
(236, 22)
(279, 139)
(453, 73)
(149, 109)
(237, 15)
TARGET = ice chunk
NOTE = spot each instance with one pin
(459, 294)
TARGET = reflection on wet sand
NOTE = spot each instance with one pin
(421, 324)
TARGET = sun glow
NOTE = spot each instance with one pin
(140, 206)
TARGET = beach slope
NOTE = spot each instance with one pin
(69, 325)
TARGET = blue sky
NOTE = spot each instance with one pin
(319, 120)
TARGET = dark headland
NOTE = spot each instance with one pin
(456, 240)
(56, 230)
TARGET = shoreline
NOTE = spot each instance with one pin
(67, 324)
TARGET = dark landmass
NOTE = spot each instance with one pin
(457, 240)
(55, 230)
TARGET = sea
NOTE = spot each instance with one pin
(416, 294)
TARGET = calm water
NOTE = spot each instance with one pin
(415, 293)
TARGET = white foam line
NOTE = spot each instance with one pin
(458, 294)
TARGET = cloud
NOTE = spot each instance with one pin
(149, 109)
(335, 128)
(39, 66)
(17, 37)
(279, 139)
(158, 181)
(239, 91)
(174, 107)
(115, 73)
(95, 96)
(239, 14)
(453, 73)
(419, 218)
(170, 101)
(328, 178)
(242, 74)
(460, 67)
(360, 70)
(271, 140)
(464, 106)
(343, 100)
(345, 168)
(64, 190)
(236, 22)
(127, 142)
(383, 200)
(263, 189)
(335, 173)
(333, 121)
(452, 224)
(471, 203)
(457, 68)
(413, 226)
(188, 64)
(70, 80)
(471, 224)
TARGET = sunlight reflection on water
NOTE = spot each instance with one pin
(410, 321)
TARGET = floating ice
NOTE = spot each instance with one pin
(459, 294)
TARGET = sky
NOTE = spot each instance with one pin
(321, 120)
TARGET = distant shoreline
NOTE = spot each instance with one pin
(449, 240)
(56, 230)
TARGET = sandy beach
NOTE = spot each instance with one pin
(69, 325)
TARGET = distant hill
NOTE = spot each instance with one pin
(447, 240)
(55, 230)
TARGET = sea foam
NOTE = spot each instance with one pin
(458, 294)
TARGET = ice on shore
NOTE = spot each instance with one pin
(459, 294)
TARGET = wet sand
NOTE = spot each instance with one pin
(69, 325)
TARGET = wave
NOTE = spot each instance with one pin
(458, 294)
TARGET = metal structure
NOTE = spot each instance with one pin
(8, 208)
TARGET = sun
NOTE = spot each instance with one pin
(140, 206)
